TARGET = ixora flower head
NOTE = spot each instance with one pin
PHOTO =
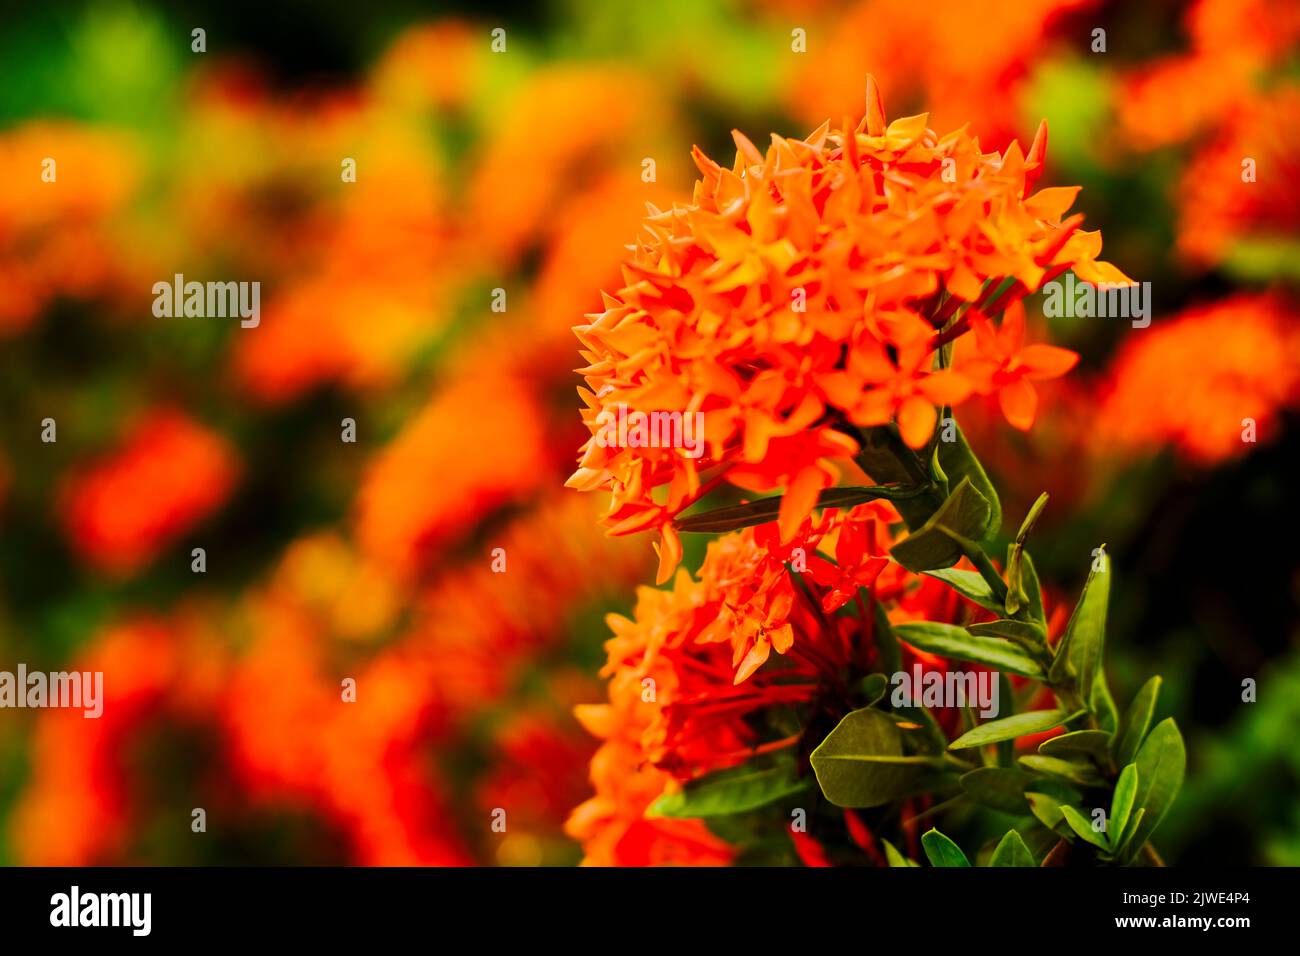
(800, 320)
(809, 292)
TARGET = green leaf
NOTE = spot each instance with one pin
(1081, 646)
(1048, 811)
(1136, 722)
(735, 517)
(943, 539)
(949, 640)
(1009, 728)
(1016, 597)
(941, 851)
(895, 858)
(887, 459)
(960, 464)
(1103, 705)
(1125, 848)
(890, 654)
(1045, 796)
(1092, 743)
(1121, 803)
(1081, 825)
(1081, 773)
(874, 687)
(1011, 851)
(1161, 762)
(731, 791)
(1031, 518)
(937, 474)
(936, 741)
(1032, 589)
(1017, 585)
(1001, 788)
(861, 761)
(1027, 635)
(969, 584)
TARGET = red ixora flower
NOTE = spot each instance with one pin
(694, 687)
(807, 292)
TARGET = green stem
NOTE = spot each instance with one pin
(988, 572)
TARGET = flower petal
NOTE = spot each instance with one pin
(916, 420)
(1019, 403)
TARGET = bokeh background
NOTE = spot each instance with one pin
(523, 171)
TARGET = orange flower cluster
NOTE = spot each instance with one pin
(1236, 361)
(1222, 212)
(1232, 43)
(692, 686)
(169, 474)
(806, 291)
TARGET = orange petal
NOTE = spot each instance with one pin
(1046, 361)
(753, 660)
(875, 108)
(945, 387)
(1012, 331)
(1019, 403)
(1036, 158)
(670, 553)
(597, 719)
(1052, 203)
(799, 500)
(916, 420)
(782, 638)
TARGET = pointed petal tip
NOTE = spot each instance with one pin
(875, 116)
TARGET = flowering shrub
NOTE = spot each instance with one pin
(326, 564)
(806, 305)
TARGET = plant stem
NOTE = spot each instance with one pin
(989, 573)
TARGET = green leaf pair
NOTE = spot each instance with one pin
(943, 852)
